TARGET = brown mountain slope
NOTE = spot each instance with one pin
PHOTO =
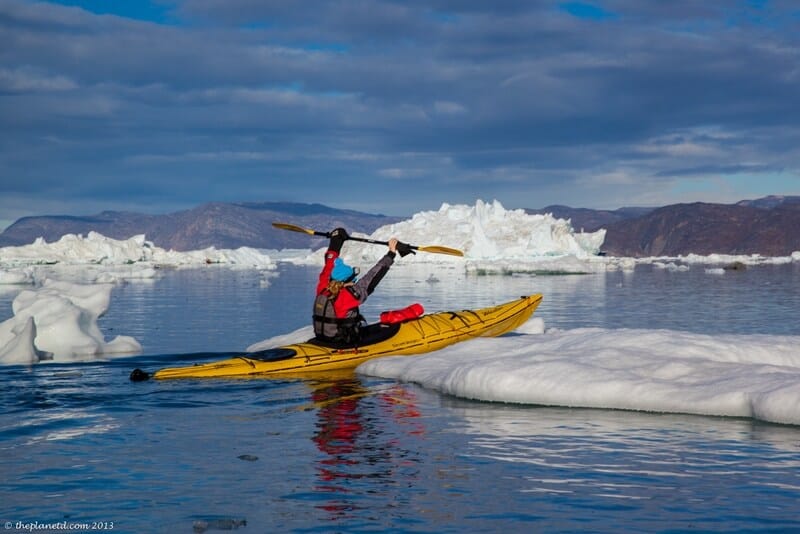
(703, 228)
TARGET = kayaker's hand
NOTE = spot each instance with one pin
(338, 237)
(393, 244)
(404, 249)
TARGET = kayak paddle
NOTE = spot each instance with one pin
(435, 249)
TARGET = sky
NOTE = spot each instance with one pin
(395, 106)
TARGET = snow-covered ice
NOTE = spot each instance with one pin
(488, 231)
(58, 322)
(755, 376)
(492, 238)
(113, 259)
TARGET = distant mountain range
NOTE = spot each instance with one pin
(223, 225)
(769, 226)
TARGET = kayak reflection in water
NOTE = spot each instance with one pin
(337, 318)
(367, 437)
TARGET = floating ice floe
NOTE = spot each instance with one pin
(756, 376)
(102, 259)
(719, 259)
(77, 249)
(670, 266)
(95, 248)
(58, 322)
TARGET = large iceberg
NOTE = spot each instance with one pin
(488, 231)
(493, 239)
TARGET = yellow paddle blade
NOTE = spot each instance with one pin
(293, 228)
(441, 250)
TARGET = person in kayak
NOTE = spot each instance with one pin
(339, 292)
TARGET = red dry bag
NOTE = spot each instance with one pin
(398, 316)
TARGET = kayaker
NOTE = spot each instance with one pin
(339, 292)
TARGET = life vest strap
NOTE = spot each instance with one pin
(346, 321)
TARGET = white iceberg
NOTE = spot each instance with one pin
(98, 249)
(77, 249)
(97, 258)
(488, 231)
(493, 239)
(58, 322)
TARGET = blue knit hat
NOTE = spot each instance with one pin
(341, 271)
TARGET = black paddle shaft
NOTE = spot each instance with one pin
(436, 249)
(362, 239)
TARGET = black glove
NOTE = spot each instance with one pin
(338, 237)
(404, 249)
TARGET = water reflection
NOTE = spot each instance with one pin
(362, 432)
(652, 466)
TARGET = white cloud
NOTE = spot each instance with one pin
(25, 79)
(449, 108)
(515, 98)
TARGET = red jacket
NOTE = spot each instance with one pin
(346, 300)
(345, 305)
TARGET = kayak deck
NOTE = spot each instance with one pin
(417, 336)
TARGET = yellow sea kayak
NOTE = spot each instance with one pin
(417, 336)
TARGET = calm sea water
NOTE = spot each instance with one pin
(81, 445)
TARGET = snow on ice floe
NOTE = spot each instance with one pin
(756, 376)
(103, 259)
(58, 322)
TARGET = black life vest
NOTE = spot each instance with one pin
(331, 328)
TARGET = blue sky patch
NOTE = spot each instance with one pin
(132, 9)
(586, 11)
